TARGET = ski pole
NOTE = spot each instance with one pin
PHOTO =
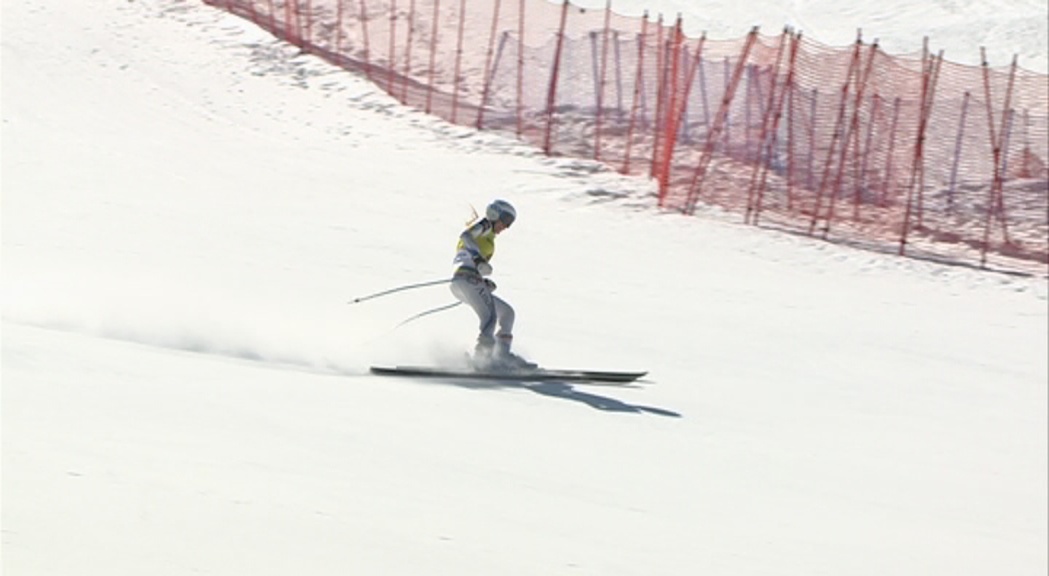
(428, 312)
(400, 289)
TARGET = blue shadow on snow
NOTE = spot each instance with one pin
(564, 391)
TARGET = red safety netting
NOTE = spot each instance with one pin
(908, 153)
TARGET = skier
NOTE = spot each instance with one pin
(471, 286)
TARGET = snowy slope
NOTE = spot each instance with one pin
(188, 207)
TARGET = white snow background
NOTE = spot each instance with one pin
(189, 206)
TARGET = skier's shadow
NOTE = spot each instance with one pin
(566, 391)
(569, 392)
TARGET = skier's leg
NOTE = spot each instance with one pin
(505, 337)
(505, 314)
(473, 292)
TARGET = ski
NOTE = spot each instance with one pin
(536, 375)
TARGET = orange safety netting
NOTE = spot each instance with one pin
(911, 153)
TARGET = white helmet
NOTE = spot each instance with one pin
(501, 211)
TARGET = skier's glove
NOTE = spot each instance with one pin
(490, 284)
(483, 267)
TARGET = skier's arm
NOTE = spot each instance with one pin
(469, 252)
(469, 239)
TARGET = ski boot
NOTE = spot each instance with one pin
(508, 360)
(483, 358)
(496, 357)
